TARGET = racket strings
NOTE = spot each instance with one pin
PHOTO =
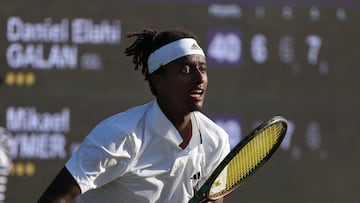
(250, 157)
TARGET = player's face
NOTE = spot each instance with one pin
(183, 84)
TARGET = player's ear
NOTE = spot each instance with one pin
(156, 78)
(155, 83)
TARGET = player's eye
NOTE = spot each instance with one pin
(203, 68)
(185, 69)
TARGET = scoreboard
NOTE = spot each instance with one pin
(64, 70)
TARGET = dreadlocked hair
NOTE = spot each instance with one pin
(141, 49)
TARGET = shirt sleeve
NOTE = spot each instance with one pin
(104, 155)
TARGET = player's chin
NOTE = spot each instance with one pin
(197, 106)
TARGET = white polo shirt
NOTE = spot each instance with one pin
(135, 157)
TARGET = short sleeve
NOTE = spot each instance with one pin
(104, 155)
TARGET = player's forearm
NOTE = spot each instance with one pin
(218, 201)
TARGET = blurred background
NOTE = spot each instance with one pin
(64, 70)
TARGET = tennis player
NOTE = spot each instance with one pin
(5, 158)
(162, 151)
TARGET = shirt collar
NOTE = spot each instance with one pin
(162, 125)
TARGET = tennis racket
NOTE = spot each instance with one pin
(243, 160)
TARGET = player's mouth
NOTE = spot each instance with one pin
(197, 93)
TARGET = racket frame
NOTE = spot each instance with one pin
(202, 194)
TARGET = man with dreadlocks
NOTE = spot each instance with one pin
(162, 151)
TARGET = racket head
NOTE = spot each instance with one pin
(244, 159)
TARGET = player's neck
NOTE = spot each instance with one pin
(181, 121)
(185, 130)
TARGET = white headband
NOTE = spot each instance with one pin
(172, 51)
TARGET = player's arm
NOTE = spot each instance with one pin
(215, 201)
(218, 201)
(63, 189)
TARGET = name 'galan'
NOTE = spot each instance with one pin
(37, 56)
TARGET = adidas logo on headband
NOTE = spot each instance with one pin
(195, 47)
